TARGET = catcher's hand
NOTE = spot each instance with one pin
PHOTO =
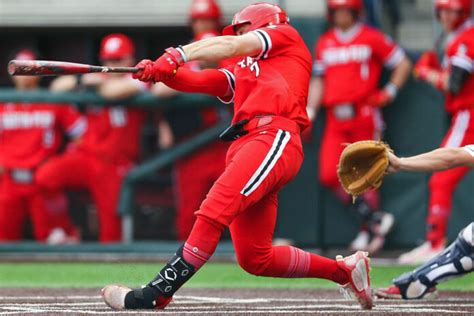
(362, 166)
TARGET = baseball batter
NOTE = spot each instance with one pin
(30, 134)
(454, 76)
(103, 155)
(349, 59)
(458, 259)
(269, 87)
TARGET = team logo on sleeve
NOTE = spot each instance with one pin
(252, 64)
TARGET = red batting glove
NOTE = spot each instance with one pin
(427, 63)
(164, 68)
(428, 59)
(145, 72)
(167, 65)
(380, 98)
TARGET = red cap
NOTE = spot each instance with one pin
(116, 46)
(464, 6)
(356, 5)
(205, 9)
(26, 54)
(257, 15)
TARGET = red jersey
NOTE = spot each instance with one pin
(276, 81)
(352, 61)
(30, 133)
(460, 53)
(113, 133)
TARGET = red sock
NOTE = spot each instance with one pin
(291, 262)
(202, 242)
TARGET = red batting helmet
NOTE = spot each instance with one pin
(257, 15)
(205, 9)
(355, 5)
(464, 6)
(116, 46)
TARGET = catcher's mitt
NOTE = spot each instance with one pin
(362, 166)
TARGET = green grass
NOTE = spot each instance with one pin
(213, 275)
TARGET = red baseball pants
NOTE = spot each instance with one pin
(79, 170)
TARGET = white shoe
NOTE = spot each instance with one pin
(357, 268)
(421, 254)
(114, 296)
(361, 242)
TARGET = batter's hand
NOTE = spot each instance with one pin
(380, 98)
(145, 73)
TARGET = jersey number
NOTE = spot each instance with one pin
(250, 62)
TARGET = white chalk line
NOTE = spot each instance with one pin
(383, 306)
(232, 300)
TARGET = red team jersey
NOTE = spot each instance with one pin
(113, 133)
(460, 53)
(351, 63)
(276, 81)
(30, 133)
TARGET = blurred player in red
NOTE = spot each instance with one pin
(454, 76)
(348, 63)
(269, 86)
(101, 158)
(30, 134)
(194, 174)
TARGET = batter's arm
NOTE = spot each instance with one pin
(219, 48)
(436, 160)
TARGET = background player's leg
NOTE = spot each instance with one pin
(252, 235)
(12, 212)
(442, 186)
(105, 188)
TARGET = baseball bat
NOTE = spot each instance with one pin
(57, 68)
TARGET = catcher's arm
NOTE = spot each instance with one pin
(436, 160)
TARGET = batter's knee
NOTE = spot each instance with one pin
(253, 261)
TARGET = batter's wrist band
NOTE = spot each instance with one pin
(391, 89)
(178, 54)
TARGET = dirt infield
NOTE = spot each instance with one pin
(226, 301)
